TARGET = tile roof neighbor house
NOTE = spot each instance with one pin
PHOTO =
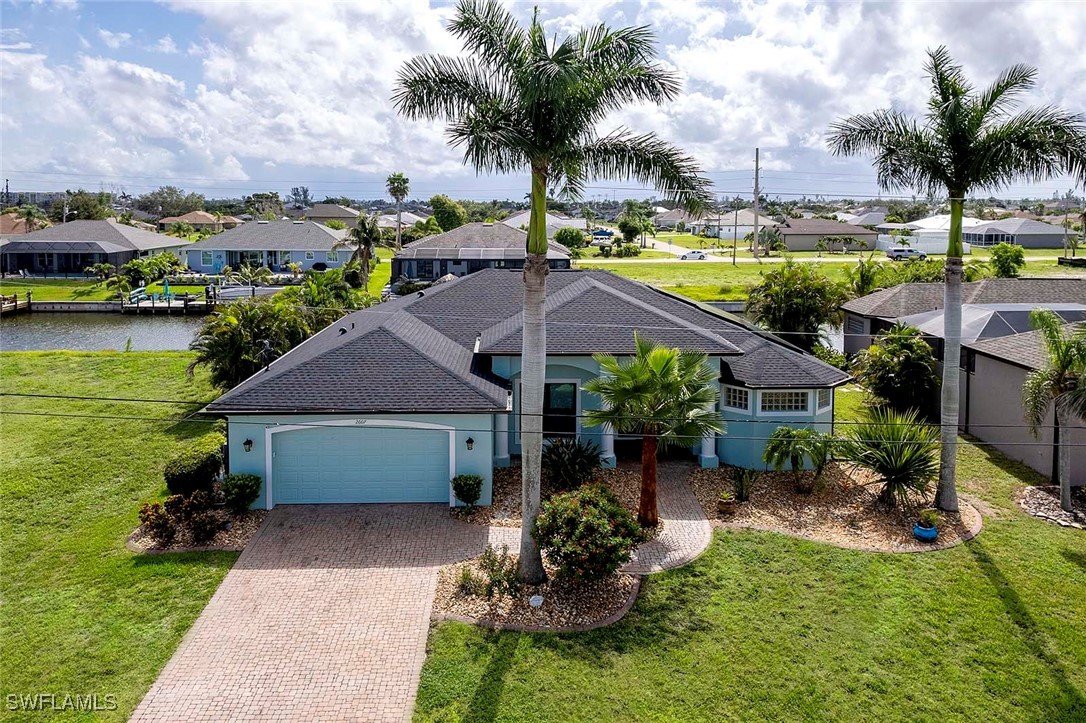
(1018, 231)
(325, 212)
(868, 315)
(270, 243)
(554, 222)
(389, 403)
(803, 234)
(200, 220)
(991, 404)
(69, 248)
(467, 249)
(670, 219)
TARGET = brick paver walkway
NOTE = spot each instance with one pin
(686, 532)
(324, 617)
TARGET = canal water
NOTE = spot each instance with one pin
(44, 331)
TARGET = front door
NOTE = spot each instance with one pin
(560, 409)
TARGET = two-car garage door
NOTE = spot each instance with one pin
(360, 464)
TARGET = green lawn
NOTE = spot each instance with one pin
(57, 289)
(765, 627)
(79, 612)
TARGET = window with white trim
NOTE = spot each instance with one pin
(332, 257)
(825, 397)
(785, 401)
(736, 398)
(309, 255)
(205, 258)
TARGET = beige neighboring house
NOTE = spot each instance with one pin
(803, 234)
(991, 405)
(322, 213)
(668, 220)
(200, 220)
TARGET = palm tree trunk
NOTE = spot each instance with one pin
(946, 495)
(533, 373)
(647, 514)
(399, 224)
(1063, 421)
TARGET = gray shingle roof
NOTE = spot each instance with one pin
(476, 240)
(1024, 350)
(273, 236)
(331, 210)
(908, 299)
(108, 236)
(417, 353)
(821, 226)
(1017, 226)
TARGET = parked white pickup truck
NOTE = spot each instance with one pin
(904, 253)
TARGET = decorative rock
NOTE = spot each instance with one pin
(536, 601)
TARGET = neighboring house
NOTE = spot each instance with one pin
(408, 219)
(868, 315)
(467, 249)
(12, 225)
(991, 404)
(200, 220)
(1018, 231)
(803, 234)
(669, 220)
(869, 219)
(270, 243)
(554, 222)
(940, 223)
(69, 248)
(731, 225)
(325, 212)
(388, 404)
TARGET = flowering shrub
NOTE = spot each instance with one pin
(157, 523)
(586, 533)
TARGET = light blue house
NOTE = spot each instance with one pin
(389, 403)
(273, 244)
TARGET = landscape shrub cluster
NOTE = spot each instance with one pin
(586, 533)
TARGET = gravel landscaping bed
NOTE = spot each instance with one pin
(235, 535)
(841, 512)
(565, 607)
(1044, 502)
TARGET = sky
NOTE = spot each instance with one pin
(227, 98)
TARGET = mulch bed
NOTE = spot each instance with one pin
(234, 536)
(842, 511)
(566, 606)
(1044, 502)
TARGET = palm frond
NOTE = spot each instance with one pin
(439, 86)
(1012, 82)
(491, 34)
(906, 156)
(1038, 392)
(1034, 145)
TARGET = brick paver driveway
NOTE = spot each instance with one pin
(323, 618)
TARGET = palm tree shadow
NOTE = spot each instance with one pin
(1075, 558)
(484, 703)
(1071, 703)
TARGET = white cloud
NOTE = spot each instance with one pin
(113, 40)
(164, 45)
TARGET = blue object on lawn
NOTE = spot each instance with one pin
(925, 534)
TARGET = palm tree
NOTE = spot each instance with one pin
(967, 141)
(1061, 383)
(796, 299)
(248, 275)
(364, 239)
(863, 278)
(898, 448)
(791, 445)
(666, 395)
(31, 215)
(180, 229)
(518, 102)
(119, 283)
(398, 185)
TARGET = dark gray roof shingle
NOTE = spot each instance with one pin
(109, 235)
(480, 238)
(273, 236)
(1024, 350)
(907, 299)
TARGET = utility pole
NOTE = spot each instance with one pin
(7, 194)
(755, 243)
(735, 226)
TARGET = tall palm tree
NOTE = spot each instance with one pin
(1061, 383)
(364, 239)
(666, 395)
(398, 185)
(520, 102)
(968, 140)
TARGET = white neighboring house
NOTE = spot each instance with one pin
(554, 222)
(731, 225)
(407, 218)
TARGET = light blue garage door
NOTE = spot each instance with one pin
(360, 464)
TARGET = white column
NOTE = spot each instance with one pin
(501, 438)
(708, 458)
(608, 446)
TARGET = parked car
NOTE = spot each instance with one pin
(693, 256)
(601, 242)
(904, 253)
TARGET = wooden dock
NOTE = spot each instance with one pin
(10, 305)
(184, 304)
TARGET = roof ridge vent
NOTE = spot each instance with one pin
(298, 223)
(262, 221)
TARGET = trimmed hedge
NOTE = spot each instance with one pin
(196, 468)
(467, 488)
(241, 491)
(587, 533)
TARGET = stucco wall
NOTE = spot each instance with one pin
(743, 443)
(808, 242)
(992, 405)
(220, 258)
(857, 330)
(478, 460)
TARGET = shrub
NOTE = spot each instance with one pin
(467, 488)
(899, 449)
(1007, 260)
(410, 287)
(831, 356)
(743, 482)
(793, 445)
(199, 501)
(469, 584)
(501, 572)
(628, 250)
(571, 238)
(241, 491)
(899, 370)
(930, 518)
(157, 523)
(586, 533)
(195, 468)
(569, 463)
(203, 526)
(176, 506)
